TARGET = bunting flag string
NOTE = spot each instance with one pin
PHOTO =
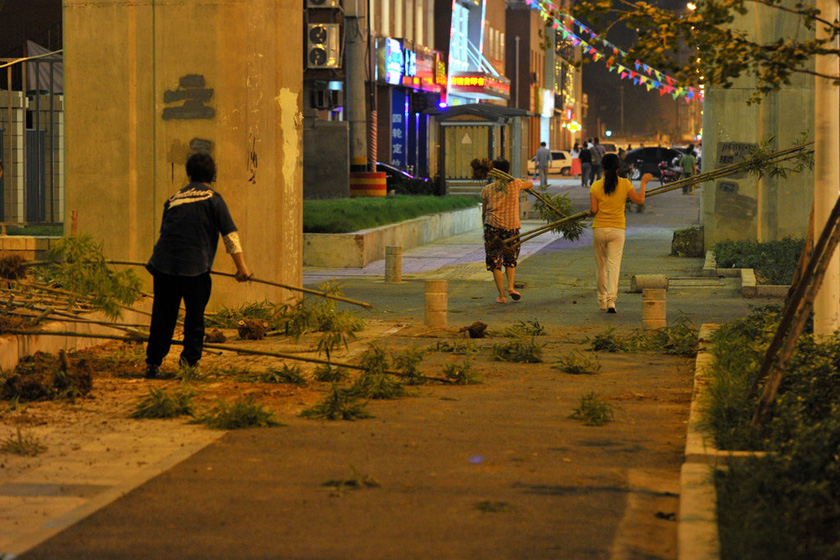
(655, 79)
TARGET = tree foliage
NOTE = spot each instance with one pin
(720, 51)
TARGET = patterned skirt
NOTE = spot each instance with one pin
(497, 253)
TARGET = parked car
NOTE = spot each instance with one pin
(561, 162)
(647, 160)
(402, 182)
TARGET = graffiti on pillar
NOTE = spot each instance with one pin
(189, 100)
(252, 161)
(734, 152)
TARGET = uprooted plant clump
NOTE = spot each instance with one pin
(47, 377)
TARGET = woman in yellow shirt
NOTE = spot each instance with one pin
(607, 197)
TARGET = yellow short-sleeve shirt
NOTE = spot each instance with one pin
(610, 206)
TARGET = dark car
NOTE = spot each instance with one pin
(647, 160)
(401, 181)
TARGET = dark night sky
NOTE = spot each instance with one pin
(645, 112)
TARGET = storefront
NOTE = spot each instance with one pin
(409, 81)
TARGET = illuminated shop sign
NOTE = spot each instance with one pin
(484, 85)
(425, 76)
(389, 61)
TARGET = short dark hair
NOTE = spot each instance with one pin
(502, 165)
(201, 168)
(542, 143)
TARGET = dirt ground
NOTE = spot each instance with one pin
(619, 481)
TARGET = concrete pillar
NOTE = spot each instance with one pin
(356, 37)
(393, 264)
(654, 314)
(436, 303)
(827, 173)
(13, 122)
(167, 78)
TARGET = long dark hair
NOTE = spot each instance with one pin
(611, 165)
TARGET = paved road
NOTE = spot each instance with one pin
(491, 471)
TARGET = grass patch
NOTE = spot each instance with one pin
(286, 374)
(489, 506)
(407, 363)
(23, 443)
(345, 215)
(339, 404)
(160, 403)
(374, 382)
(680, 339)
(593, 411)
(608, 341)
(577, 363)
(40, 230)
(327, 373)
(242, 413)
(520, 350)
(461, 374)
(456, 347)
(357, 481)
(774, 262)
(525, 328)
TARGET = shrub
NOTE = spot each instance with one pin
(774, 262)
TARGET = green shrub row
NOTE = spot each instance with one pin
(774, 262)
(787, 504)
(345, 215)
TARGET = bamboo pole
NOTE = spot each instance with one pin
(776, 157)
(136, 337)
(269, 283)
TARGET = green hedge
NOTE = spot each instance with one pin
(785, 505)
(345, 215)
(774, 262)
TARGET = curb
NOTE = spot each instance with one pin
(750, 288)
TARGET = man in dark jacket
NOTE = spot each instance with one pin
(193, 219)
(585, 166)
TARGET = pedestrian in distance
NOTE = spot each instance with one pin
(575, 171)
(607, 197)
(193, 220)
(542, 161)
(500, 215)
(688, 163)
(598, 152)
(585, 157)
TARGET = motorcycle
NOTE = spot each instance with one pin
(667, 173)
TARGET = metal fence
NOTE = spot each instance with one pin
(32, 140)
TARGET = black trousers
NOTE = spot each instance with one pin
(169, 291)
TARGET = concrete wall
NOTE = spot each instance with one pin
(744, 207)
(326, 159)
(165, 78)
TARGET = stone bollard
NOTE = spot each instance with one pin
(436, 303)
(653, 309)
(393, 263)
(639, 282)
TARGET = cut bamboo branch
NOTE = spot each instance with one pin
(269, 283)
(725, 171)
(137, 337)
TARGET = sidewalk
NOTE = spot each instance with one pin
(551, 488)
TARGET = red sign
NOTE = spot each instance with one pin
(480, 83)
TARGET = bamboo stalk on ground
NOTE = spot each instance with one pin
(269, 283)
(136, 337)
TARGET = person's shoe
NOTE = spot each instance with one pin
(152, 371)
(611, 309)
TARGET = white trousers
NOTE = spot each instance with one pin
(608, 243)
